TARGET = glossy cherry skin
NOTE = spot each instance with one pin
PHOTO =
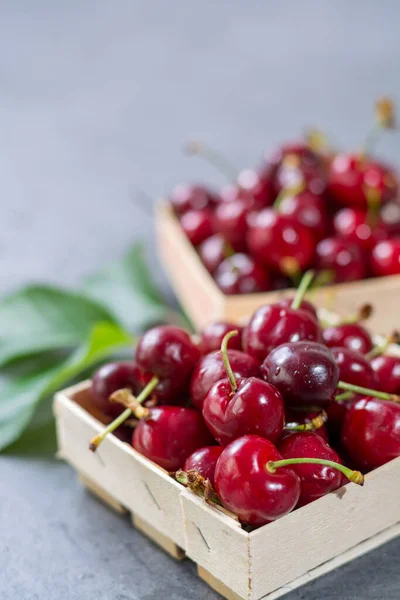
(385, 258)
(387, 373)
(248, 489)
(169, 353)
(186, 197)
(272, 325)
(316, 480)
(371, 432)
(198, 225)
(211, 369)
(349, 335)
(213, 251)
(275, 239)
(308, 160)
(230, 219)
(111, 377)
(305, 306)
(390, 218)
(300, 417)
(170, 435)
(352, 224)
(305, 373)
(350, 176)
(354, 367)
(241, 274)
(344, 260)
(290, 175)
(204, 461)
(255, 408)
(258, 186)
(211, 336)
(309, 210)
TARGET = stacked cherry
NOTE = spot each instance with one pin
(306, 207)
(258, 418)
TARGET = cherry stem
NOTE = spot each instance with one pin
(293, 190)
(356, 389)
(146, 391)
(301, 290)
(393, 338)
(198, 485)
(214, 158)
(344, 396)
(354, 476)
(312, 425)
(373, 197)
(227, 364)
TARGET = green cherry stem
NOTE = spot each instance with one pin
(312, 425)
(303, 287)
(356, 389)
(344, 396)
(146, 391)
(354, 476)
(214, 158)
(227, 364)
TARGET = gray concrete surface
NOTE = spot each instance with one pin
(96, 99)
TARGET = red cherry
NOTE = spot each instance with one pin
(213, 251)
(385, 258)
(258, 185)
(230, 219)
(387, 373)
(190, 197)
(355, 368)
(390, 218)
(280, 242)
(241, 274)
(211, 369)
(246, 486)
(300, 150)
(204, 461)
(292, 172)
(316, 480)
(351, 176)
(342, 259)
(111, 377)
(371, 432)
(305, 305)
(170, 435)
(305, 373)
(352, 224)
(349, 335)
(198, 225)
(272, 325)
(250, 407)
(212, 335)
(308, 209)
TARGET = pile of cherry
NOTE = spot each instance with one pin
(258, 418)
(307, 206)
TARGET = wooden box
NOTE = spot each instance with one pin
(264, 564)
(204, 302)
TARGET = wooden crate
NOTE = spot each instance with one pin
(204, 302)
(264, 564)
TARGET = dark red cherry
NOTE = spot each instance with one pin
(204, 461)
(352, 224)
(230, 219)
(300, 150)
(351, 176)
(280, 282)
(170, 435)
(355, 369)
(305, 306)
(211, 369)
(316, 480)
(198, 225)
(349, 335)
(251, 407)
(385, 258)
(292, 173)
(258, 185)
(389, 219)
(186, 197)
(111, 377)
(241, 274)
(213, 251)
(305, 373)
(246, 486)
(371, 432)
(272, 325)
(168, 353)
(308, 209)
(294, 418)
(342, 259)
(211, 336)
(387, 373)
(280, 242)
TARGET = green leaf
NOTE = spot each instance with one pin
(39, 318)
(19, 398)
(127, 289)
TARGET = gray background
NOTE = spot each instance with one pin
(96, 99)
